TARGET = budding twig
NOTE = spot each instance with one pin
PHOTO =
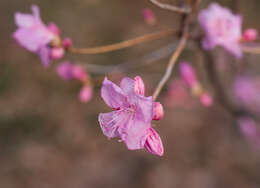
(124, 44)
(171, 7)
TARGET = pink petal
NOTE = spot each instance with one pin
(112, 94)
(153, 143)
(110, 122)
(135, 134)
(139, 85)
(127, 85)
(24, 20)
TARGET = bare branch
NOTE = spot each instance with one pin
(171, 7)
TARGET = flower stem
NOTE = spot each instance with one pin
(170, 7)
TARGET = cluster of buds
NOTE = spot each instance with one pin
(68, 71)
(189, 76)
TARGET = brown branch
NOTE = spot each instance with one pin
(170, 65)
(170, 7)
(124, 44)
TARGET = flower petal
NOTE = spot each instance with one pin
(135, 134)
(127, 85)
(24, 20)
(153, 143)
(112, 94)
(110, 122)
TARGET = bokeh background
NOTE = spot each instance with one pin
(49, 139)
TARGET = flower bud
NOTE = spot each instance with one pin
(250, 35)
(139, 85)
(67, 42)
(158, 111)
(206, 100)
(57, 53)
(64, 70)
(79, 73)
(188, 74)
(153, 143)
(149, 16)
(85, 94)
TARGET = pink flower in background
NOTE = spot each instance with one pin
(132, 115)
(222, 28)
(86, 94)
(247, 91)
(32, 34)
(35, 36)
(249, 128)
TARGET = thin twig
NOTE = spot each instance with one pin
(170, 65)
(124, 44)
(171, 7)
(251, 50)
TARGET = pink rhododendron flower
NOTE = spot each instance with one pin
(132, 115)
(32, 34)
(250, 35)
(86, 94)
(35, 36)
(206, 100)
(67, 42)
(222, 28)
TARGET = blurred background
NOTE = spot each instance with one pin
(49, 139)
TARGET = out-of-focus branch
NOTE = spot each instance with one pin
(171, 7)
(124, 44)
(251, 50)
(170, 66)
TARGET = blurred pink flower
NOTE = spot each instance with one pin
(249, 128)
(35, 36)
(67, 42)
(206, 100)
(32, 34)
(247, 91)
(250, 35)
(86, 94)
(132, 115)
(153, 143)
(222, 28)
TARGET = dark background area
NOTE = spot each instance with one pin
(48, 139)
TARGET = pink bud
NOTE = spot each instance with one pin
(188, 74)
(149, 17)
(79, 73)
(206, 100)
(64, 70)
(57, 53)
(250, 35)
(158, 111)
(153, 143)
(139, 85)
(85, 94)
(67, 42)
(54, 28)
